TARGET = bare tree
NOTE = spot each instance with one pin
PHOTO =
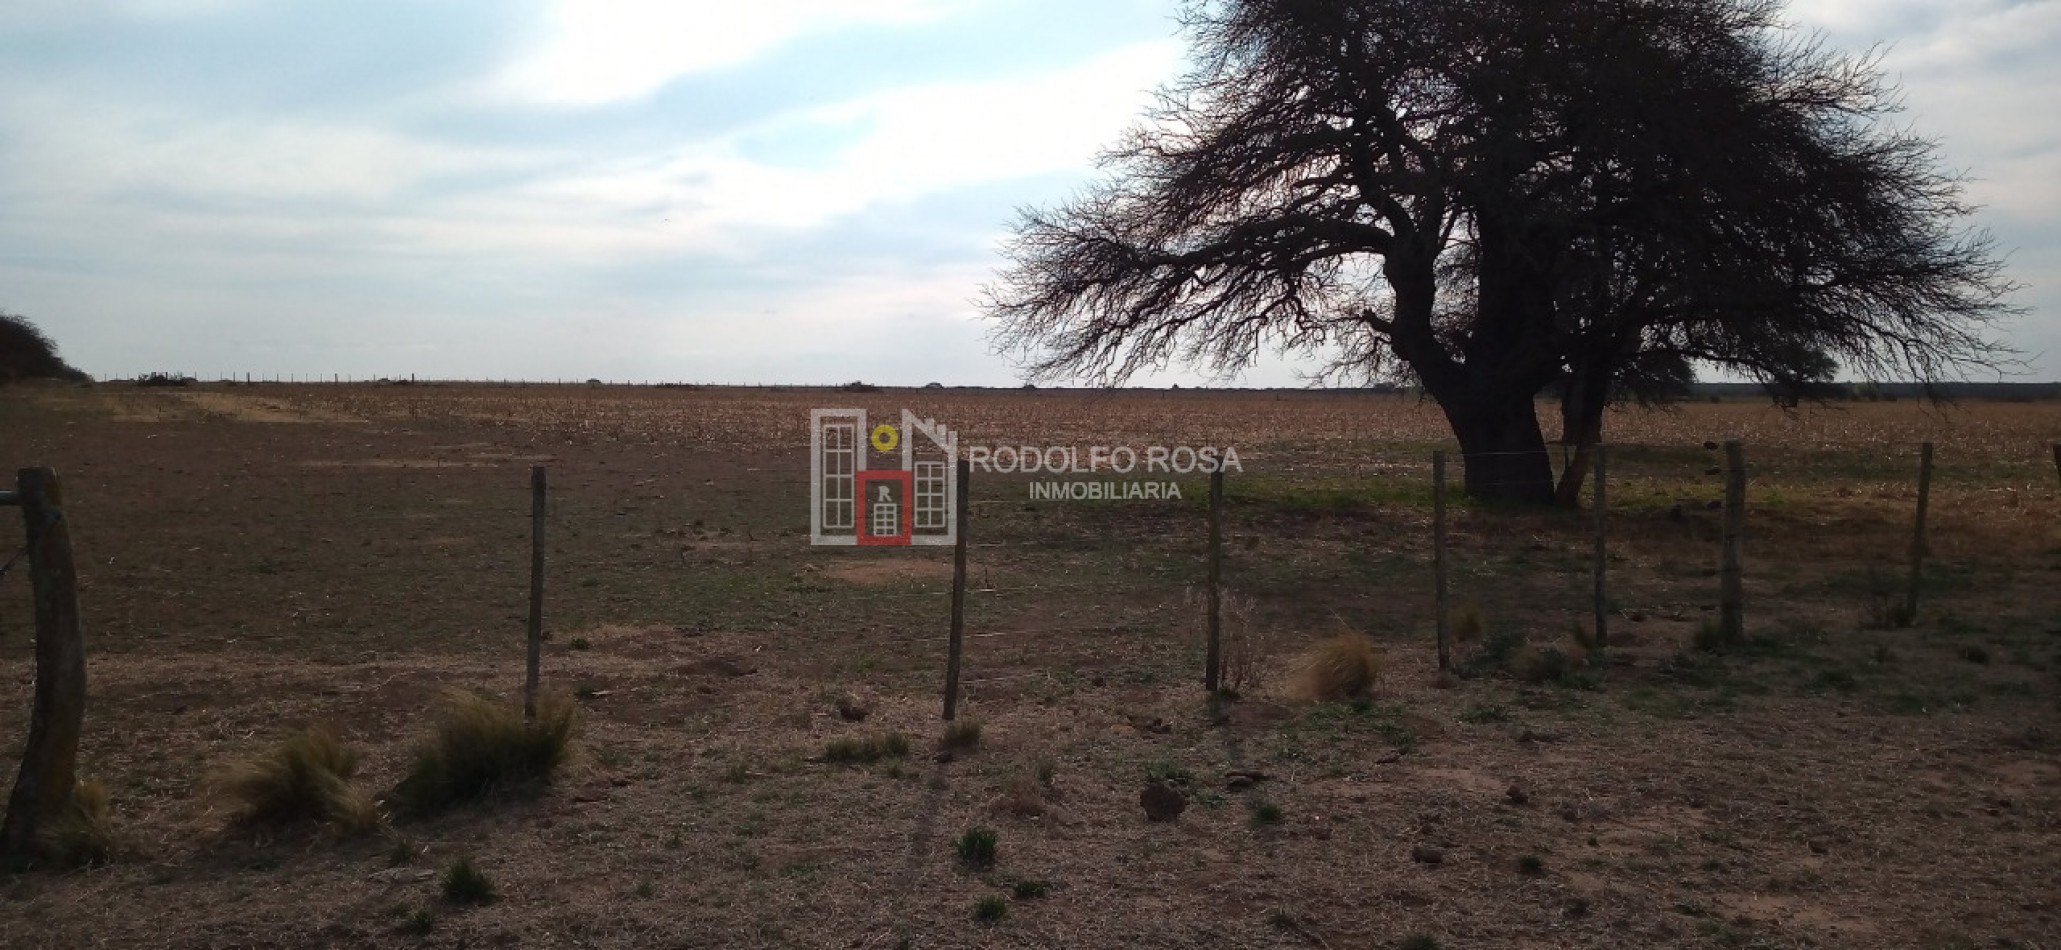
(1495, 197)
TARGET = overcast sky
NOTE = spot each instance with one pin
(757, 191)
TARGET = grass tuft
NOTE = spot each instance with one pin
(990, 909)
(1344, 666)
(1266, 812)
(1531, 864)
(80, 834)
(961, 734)
(465, 883)
(893, 745)
(978, 847)
(482, 748)
(306, 777)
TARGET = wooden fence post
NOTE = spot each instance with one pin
(960, 507)
(49, 760)
(2057, 460)
(1212, 671)
(1918, 534)
(1438, 558)
(1602, 595)
(533, 668)
(1731, 571)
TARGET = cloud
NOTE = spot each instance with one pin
(596, 51)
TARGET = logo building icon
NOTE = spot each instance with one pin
(885, 486)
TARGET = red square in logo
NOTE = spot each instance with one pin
(885, 518)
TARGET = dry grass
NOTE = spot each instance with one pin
(1248, 646)
(482, 748)
(306, 777)
(1344, 666)
(961, 735)
(81, 834)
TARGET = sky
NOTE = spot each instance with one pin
(779, 191)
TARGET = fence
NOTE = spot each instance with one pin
(386, 558)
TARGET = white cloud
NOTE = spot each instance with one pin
(597, 51)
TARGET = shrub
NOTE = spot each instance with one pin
(80, 834)
(422, 921)
(481, 748)
(990, 909)
(978, 847)
(1341, 667)
(306, 777)
(1027, 889)
(1267, 813)
(1531, 864)
(868, 749)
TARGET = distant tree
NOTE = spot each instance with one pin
(1494, 198)
(26, 353)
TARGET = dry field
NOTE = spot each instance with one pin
(256, 558)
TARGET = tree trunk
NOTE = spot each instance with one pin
(1581, 426)
(1502, 449)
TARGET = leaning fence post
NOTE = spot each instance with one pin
(1731, 572)
(1212, 672)
(960, 507)
(1602, 545)
(49, 760)
(536, 640)
(1438, 558)
(1918, 533)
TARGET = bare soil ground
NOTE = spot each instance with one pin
(254, 558)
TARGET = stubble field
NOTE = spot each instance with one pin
(257, 558)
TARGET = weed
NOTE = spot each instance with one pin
(644, 889)
(1534, 664)
(80, 834)
(1479, 713)
(737, 773)
(1266, 813)
(1172, 773)
(1531, 864)
(893, 745)
(1047, 769)
(421, 922)
(961, 734)
(481, 748)
(1026, 889)
(1834, 679)
(465, 883)
(990, 909)
(1344, 666)
(402, 851)
(978, 846)
(586, 691)
(306, 777)
(1465, 624)
(1247, 647)
(580, 643)
(1419, 941)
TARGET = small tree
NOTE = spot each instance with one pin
(1495, 198)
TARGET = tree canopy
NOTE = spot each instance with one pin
(26, 353)
(1497, 197)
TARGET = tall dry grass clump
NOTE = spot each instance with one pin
(81, 833)
(306, 777)
(481, 748)
(1343, 666)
